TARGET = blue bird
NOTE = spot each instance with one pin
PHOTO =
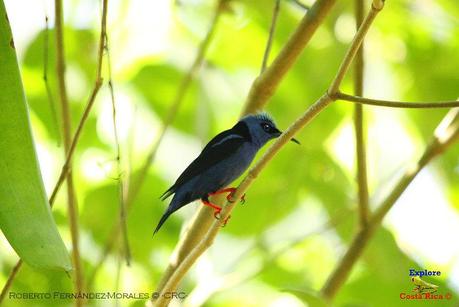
(221, 162)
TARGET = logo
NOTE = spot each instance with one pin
(424, 290)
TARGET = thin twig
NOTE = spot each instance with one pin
(176, 103)
(66, 124)
(66, 166)
(170, 284)
(51, 102)
(121, 187)
(447, 133)
(272, 29)
(361, 156)
(397, 104)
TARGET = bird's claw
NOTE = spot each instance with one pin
(218, 216)
(229, 198)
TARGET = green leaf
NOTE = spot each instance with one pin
(25, 215)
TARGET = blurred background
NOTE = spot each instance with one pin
(279, 247)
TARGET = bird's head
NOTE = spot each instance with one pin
(262, 128)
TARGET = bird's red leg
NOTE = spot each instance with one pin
(215, 207)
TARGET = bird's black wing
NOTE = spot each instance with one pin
(219, 148)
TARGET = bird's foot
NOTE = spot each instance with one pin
(229, 197)
(217, 210)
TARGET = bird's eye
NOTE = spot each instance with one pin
(266, 127)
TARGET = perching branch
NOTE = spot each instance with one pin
(207, 241)
(272, 29)
(72, 209)
(446, 133)
(171, 283)
(176, 103)
(75, 139)
(262, 89)
(361, 156)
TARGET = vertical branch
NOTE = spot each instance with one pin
(272, 29)
(66, 126)
(121, 186)
(362, 182)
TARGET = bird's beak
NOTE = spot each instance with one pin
(278, 133)
(295, 141)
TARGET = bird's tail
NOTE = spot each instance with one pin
(163, 219)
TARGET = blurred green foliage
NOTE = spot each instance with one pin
(411, 55)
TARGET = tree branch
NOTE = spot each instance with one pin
(447, 132)
(266, 84)
(397, 104)
(272, 29)
(361, 156)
